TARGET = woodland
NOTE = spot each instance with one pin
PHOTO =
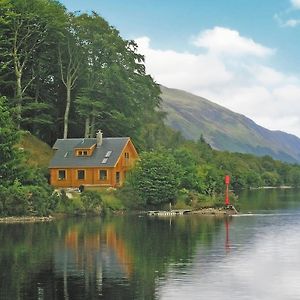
(67, 74)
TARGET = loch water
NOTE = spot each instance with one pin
(255, 255)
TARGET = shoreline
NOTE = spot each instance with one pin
(25, 219)
(208, 211)
(216, 211)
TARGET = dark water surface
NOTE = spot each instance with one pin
(252, 256)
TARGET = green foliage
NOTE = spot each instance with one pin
(20, 200)
(156, 178)
(91, 201)
(66, 205)
(188, 179)
(23, 189)
(41, 45)
(9, 136)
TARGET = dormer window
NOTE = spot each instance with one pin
(82, 153)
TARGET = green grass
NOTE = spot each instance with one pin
(111, 201)
(38, 153)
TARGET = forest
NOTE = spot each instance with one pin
(66, 74)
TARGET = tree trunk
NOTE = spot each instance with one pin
(67, 111)
(19, 98)
(87, 127)
(92, 127)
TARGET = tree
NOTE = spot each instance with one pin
(10, 155)
(89, 107)
(116, 94)
(70, 60)
(23, 190)
(189, 179)
(156, 178)
(26, 26)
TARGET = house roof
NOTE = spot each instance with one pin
(65, 155)
(85, 143)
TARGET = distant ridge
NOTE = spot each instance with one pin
(224, 129)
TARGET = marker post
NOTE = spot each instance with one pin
(227, 181)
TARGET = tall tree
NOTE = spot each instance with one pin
(120, 92)
(25, 29)
(70, 60)
(9, 136)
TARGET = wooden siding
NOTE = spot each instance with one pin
(92, 174)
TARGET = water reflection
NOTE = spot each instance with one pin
(227, 230)
(118, 258)
(158, 258)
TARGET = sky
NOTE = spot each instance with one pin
(241, 54)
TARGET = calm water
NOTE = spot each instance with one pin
(252, 256)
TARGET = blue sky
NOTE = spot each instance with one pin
(241, 54)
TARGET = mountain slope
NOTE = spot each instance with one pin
(225, 130)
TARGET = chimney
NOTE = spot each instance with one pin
(99, 135)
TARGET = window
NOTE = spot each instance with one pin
(118, 177)
(61, 174)
(104, 160)
(80, 174)
(108, 153)
(127, 155)
(82, 153)
(103, 174)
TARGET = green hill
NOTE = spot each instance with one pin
(37, 152)
(225, 130)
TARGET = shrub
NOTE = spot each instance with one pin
(91, 201)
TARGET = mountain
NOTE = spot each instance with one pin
(224, 129)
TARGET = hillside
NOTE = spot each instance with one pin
(225, 130)
(38, 152)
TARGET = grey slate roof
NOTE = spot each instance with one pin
(65, 157)
(86, 143)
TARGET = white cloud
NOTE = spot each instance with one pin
(295, 4)
(288, 23)
(178, 68)
(284, 18)
(222, 40)
(243, 83)
(292, 23)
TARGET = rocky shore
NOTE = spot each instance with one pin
(229, 211)
(27, 219)
(208, 211)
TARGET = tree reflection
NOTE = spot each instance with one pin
(113, 258)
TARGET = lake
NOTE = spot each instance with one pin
(255, 255)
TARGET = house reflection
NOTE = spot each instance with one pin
(92, 258)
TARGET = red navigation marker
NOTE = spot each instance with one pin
(227, 181)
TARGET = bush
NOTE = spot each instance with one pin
(91, 201)
(19, 200)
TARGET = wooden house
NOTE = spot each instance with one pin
(91, 161)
